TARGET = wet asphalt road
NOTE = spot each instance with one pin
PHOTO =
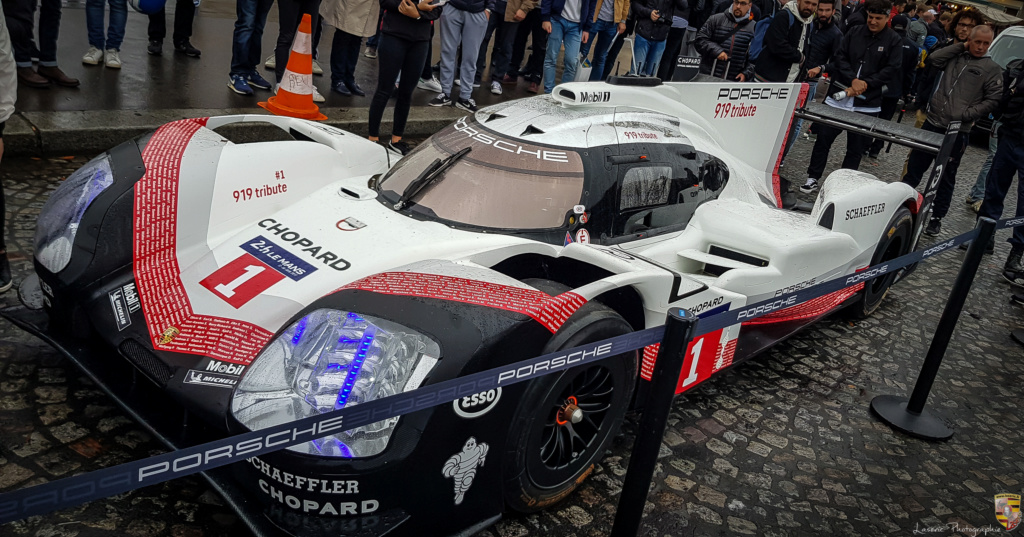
(783, 445)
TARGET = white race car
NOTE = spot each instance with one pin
(254, 284)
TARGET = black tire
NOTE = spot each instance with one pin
(539, 468)
(895, 241)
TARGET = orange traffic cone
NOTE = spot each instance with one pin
(295, 95)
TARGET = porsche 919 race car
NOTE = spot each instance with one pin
(214, 288)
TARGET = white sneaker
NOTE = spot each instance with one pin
(112, 58)
(317, 70)
(496, 87)
(271, 62)
(433, 85)
(810, 186)
(317, 98)
(93, 57)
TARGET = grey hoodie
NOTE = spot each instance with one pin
(969, 88)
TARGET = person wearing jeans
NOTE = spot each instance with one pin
(609, 21)
(567, 23)
(405, 33)
(20, 17)
(105, 47)
(245, 45)
(653, 22)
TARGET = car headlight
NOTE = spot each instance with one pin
(62, 213)
(328, 360)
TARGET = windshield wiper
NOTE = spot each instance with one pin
(429, 175)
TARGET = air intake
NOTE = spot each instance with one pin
(145, 361)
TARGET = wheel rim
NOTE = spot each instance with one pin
(576, 413)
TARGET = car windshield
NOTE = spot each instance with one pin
(502, 183)
(1007, 49)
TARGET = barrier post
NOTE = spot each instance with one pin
(910, 416)
(679, 329)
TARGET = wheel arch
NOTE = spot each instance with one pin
(627, 301)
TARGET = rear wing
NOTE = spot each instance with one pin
(919, 139)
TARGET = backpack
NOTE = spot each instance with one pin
(760, 29)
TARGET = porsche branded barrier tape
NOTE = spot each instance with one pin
(76, 490)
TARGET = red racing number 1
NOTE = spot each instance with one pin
(241, 280)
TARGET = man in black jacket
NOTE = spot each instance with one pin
(1009, 159)
(724, 42)
(868, 58)
(900, 85)
(786, 42)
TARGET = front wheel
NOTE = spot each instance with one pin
(566, 421)
(895, 241)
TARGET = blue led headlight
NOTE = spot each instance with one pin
(328, 360)
(62, 213)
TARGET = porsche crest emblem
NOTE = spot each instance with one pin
(173, 332)
(1008, 510)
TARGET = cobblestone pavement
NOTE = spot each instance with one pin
(783, 445)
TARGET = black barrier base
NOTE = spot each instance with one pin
(893, 410)
(1018, 336)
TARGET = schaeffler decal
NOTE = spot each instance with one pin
(478, 404)
(171, 322)
(462, 466)
(306, 484)
(203, 378)
(349, 224)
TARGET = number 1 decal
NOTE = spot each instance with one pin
(228, 290)
(241, 280)
(700, 360)
(695, 352)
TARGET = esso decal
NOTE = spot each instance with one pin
(478, 404)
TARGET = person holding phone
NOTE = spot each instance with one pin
(405, 39)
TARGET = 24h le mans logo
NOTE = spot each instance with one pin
(1008, 510)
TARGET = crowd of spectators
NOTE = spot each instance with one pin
(874, 54)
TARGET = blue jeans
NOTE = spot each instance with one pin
(646, 55)
(569, 33)
(978, 190)
(248, 36)
(94, 23)
(1009, 160)
(602, 33)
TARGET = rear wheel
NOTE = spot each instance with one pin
(895, 241)
(566, 420)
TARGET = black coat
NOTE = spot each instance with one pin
(904, 81)
(1011, 105)
(781, 47)
(824, 43)
(873, 58)
(408, 28)
(651, 30)
(723, 33)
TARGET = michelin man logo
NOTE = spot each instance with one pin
(462, 466)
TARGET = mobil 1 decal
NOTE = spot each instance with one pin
(264, 264)
(124, 301)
